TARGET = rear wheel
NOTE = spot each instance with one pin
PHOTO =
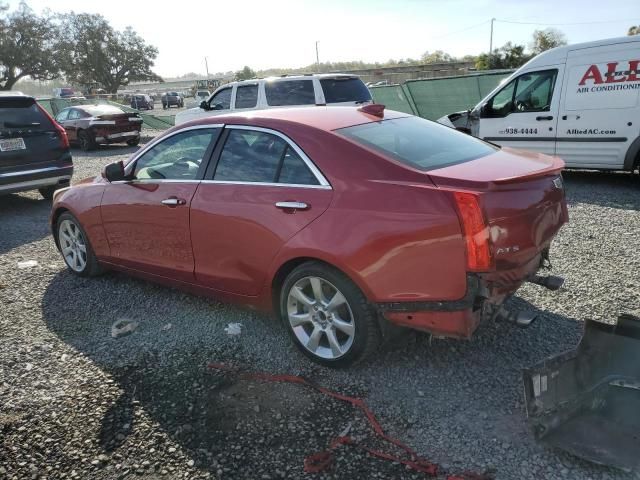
(75, 248)
(133, 142)
(86, 141)
(327, 316)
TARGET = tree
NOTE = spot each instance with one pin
(507, 56)
(245, 74)
(97, 53)
(29, 46)
(436, 57)
(546, 39)
(634, 30)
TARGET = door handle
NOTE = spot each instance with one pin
(292, 205)
(549, 117)
(173, 201)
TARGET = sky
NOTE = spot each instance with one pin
(283, 33)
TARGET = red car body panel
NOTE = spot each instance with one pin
(394, 230)
(237, 231)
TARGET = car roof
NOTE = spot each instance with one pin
(13, 93)
(323, 118)
(278, 78)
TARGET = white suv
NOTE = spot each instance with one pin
(286, 91)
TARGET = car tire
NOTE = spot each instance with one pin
(337, 335)
(47, 192)
(86, 141)
(75, 248)
(133, 142)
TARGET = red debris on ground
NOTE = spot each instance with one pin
(322, 461)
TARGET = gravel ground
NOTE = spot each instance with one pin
(77, 403)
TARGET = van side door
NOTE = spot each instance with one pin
(524, 113)
(599, 112)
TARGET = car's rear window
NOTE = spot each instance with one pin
(418, 143)
(338, 90)
(290, 92)
(22, 113)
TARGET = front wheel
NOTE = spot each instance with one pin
(133, 142)
(75, 248)
(327, 316)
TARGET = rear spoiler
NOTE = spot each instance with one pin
(555, 167)
(587, 401)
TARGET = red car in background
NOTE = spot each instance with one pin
(90, 125)
(339, 219)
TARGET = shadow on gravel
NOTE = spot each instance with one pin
(450, 400)
(25, 219)
(607, 189)
(229, 426)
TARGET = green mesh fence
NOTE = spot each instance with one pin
(393, 97)
(55, 105)
(433, 98)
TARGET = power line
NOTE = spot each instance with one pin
(460, 31)
(570, 23)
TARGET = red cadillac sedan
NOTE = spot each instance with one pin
(341, 220)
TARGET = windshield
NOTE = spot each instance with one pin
(338, 90)
(418, 143)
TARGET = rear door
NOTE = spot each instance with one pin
(28, 139)
(263, 191)
(146, 218)
(599, 112)
(524, 113)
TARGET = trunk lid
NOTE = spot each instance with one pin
(522, 198)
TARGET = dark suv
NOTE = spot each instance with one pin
(172, 98)
(141, 102)
(34, 149)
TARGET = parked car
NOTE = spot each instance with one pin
(142, 102)
(579, 102)
(170, 99)
(34, 149)
(339, 219)
(278, 92)
(90, 125)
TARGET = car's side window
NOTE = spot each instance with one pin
(530, 92)
(290, 92)
(74, 114)
(255, 156)
(221, 100)
(179, 157)
(295, 171)
(63, 115)
(246, 96)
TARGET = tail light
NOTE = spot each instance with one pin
(476, 232)
(59, 128)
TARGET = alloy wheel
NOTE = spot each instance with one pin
(320, 317)
(72, 245)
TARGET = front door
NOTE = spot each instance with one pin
(524, 113)
(264, 191)
(146, 218)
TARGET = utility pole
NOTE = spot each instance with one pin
(206, 66)
(317, 57)
(491, 42)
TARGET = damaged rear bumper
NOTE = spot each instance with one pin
(586, 401)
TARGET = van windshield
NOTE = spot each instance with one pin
(418, 143)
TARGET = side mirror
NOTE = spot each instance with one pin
(114, 172)
(204, 105)
(485, 109)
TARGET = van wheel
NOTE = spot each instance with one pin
(327, 316)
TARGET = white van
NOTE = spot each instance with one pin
(286, 91)
(579, 102)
